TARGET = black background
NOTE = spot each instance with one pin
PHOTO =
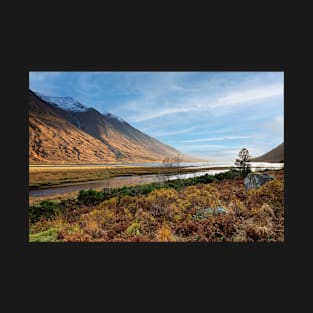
(139, 276)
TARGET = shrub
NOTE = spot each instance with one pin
(165, 234)
(91, 197)
(225, 225)
(271, 193)
(238, 208)
(171, 211)
(258, 233)
(228, 175)
(45, 209)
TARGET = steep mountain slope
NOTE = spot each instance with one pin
(125, 141)
(54, 139)
(275, 155)
(64, 130)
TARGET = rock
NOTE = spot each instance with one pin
(256, 180)
(221, 210)
(204, 213)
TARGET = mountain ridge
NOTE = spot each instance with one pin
(276, 155)
(66, 103)
(61, 133)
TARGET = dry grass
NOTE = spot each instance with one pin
(67, 195)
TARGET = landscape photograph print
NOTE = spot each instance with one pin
(156, 156)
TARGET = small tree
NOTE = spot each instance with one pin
(174, 162)
(243, 161)
(167, 162)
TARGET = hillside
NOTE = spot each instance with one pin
(275, 155)
(61, 130)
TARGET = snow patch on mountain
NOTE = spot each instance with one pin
(65, 103)
(113, 116)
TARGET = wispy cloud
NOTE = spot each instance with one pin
(218, 138)
(172, 133)
(207, 114)
(162, 112)
(201, 147)
(250, 95)
(216, 104)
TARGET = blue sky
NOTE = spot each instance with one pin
(211, 115)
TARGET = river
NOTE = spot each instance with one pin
(145, 179)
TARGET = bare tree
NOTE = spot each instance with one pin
(177, 159)
(167, 162)
(174, 162)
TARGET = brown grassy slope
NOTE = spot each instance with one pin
(125, 142)
(275, 155)
(53, 139)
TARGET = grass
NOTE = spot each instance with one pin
(43, 177)
(181, 211)
(59, 197)
(48, 235)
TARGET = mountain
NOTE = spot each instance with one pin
(276, 155)
(65, 103)
(62, 130)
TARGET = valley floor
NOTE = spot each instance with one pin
(217, 211)
(48, 176)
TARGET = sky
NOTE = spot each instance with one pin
(211, 115)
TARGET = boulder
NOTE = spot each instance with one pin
(204, 213)
(256, 180)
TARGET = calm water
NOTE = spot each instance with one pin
(145, 179)
(116, 182)
(149, 164)
(182, 164)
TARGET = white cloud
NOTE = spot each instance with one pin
(250, 95)
(218, 138)
(200, 147)
(159, 113)
(221, 102)
(172, 133)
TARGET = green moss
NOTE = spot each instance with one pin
(134, 229)
(49, 235)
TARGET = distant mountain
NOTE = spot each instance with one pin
(276, 155)
(62, 130)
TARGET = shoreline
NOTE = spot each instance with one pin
(134, 171)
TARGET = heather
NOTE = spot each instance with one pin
(201, 209)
